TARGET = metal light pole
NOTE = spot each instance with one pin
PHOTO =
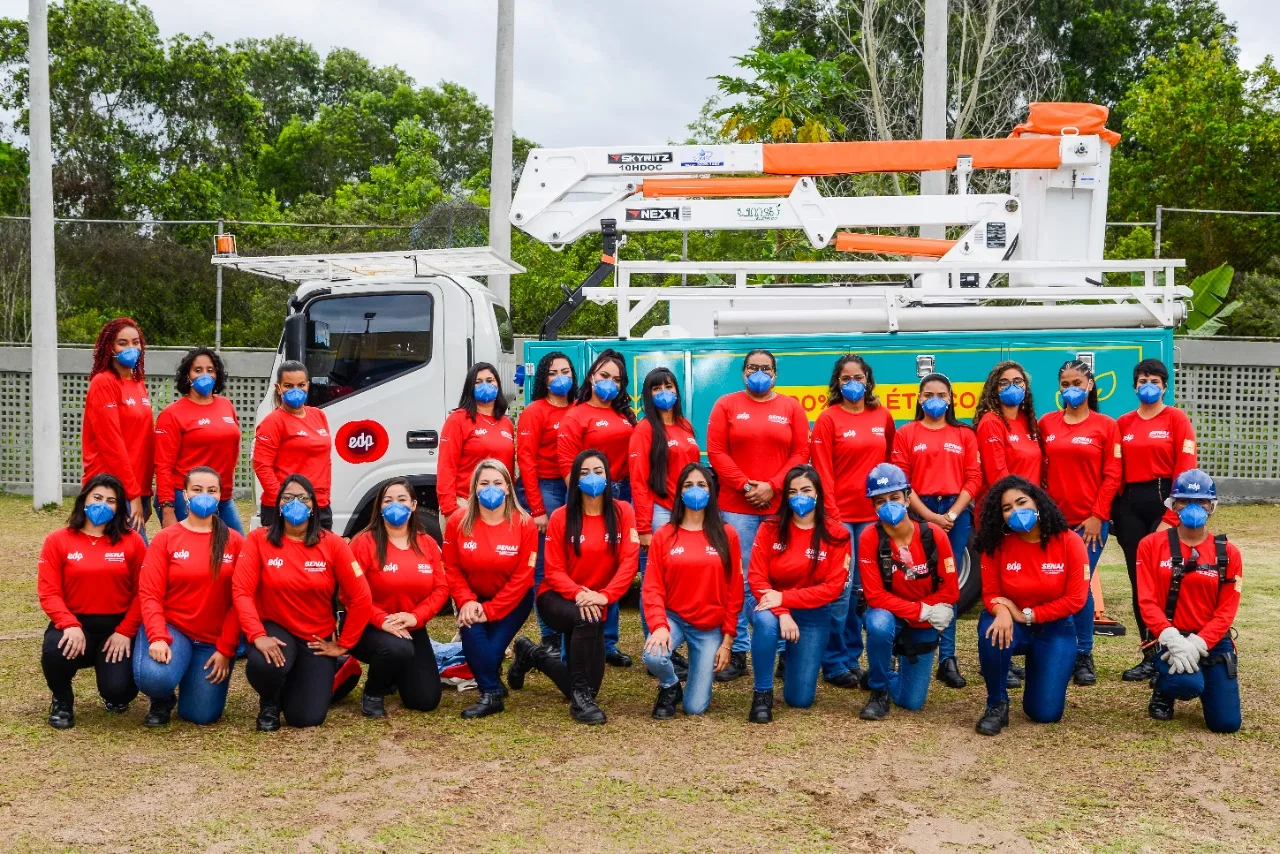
(217, 309)
(500, 166)
(933, 115)
(46, 434)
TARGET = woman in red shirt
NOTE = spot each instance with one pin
(86, 578)
(940, 458)
(592, 554)
(200, 428)
(754, 437)
(1005, 422)
(478, 429)
(489, 552)
(1035, 574)
(799, 566)
(853, 435)
(283, 590)
(407, 583)
(187, 643)
(117, 435)
(294, 439)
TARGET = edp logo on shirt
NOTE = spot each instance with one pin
(470, 545)
(277, 562)
(75, 556)
(181, 555)
(1014, 566)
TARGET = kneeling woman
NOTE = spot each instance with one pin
(1035, 577)
(490, 548)
(406, 578)
(592, 553)
(909, 577)
(189, 630)
(692, 592)
(283, 591)
(799, 565)
(1189, 603)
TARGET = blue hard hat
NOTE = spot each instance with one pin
(886, 478)
(1194, 483)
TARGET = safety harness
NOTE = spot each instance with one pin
(902, 646)
(1179, 570)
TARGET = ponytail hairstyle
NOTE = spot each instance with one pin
(833, 388)
(540, 381)
(951, 406)
(1082, 367)
(289, 366)
(990, 401)
(658, 445)
(377, 526)
(315, 531)
(104, 348)
(118, 525)
(712, 521)
(821, 533)
(620, 404)
(992, 528)
(218, 545)
(467, 400)
(573, 504)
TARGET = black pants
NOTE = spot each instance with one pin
(267, 515)
(1135, 513)
(584, 641)
(408, 664)
(115, 681)
(302, 688)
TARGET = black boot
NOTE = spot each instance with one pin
(115, 708)
(1161, 706)
(373, 707)
(62, 714)
(268, 715)
(994, 719)
(617, 658)
(848, 679)
(736, 670)
(877, 708)
(522, 662)
(488, 704)
(161, 712)
(668, 698)
(780, 672)
(1144, 670)
(681, 666)
(583, 707)
(949, 673)
(1085, 674)
(1012, 681)
(761, 707)
(551, 643)
(1018, 670)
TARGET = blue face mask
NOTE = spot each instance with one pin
(1012, 395)
(203, 505)
(592, 484)
(294, 398)
(560, 386)
(1150, 392)
(802, 504)
(695, 498)
(759, 382)
(492, 497)
(665, 400)
(396, 514)
(296, 513)
(129, 356)
(934, 407)
(1073, 396)
(1023, 519)
(891, 512)
(1193, 516)
(99, 514)
(485, 393)
(606, 390)
(204, 384)
(853, 391)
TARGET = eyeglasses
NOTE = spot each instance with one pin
(768, 369)
(295, 496)
(1018, 381)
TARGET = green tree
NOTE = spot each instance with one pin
(284, 74)
(787, 98)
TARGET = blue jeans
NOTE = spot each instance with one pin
(844, 646)
(1219, 693)
(959, 539)
(1083, 618)
(199, 700)
(909, 686)
(1050, 649)
(804, 656)
(554, 494)
(227, 512)
(746, 524)
(485, 644)
(702, 661)
(661, 517)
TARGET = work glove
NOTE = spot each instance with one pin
(1201, 648)
(1180, 653)
(939, 616)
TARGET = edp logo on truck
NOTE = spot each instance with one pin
(361, 441)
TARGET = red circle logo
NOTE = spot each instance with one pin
(362, 441)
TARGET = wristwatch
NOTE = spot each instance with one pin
(164, 504)
(748, 487)
(1028, 615)
(951, 516)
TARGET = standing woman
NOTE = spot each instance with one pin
(754, 438)
(799, 567)
(1005, 421)
(940, 458)
(190, 631)
(478, 429)
(1081, 474)
(1035, 575)
(294, 439)
(198, 429)
(407, 583)
(592, 553)
(692, 592)
(86, 579)
(490, 548)
(283, 589)
(853, 435)
(1159, 444)
(117, 434)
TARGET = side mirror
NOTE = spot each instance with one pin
(295, 337)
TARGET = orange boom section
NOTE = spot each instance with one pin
(847, 241)
(848, 158)
(723, 188)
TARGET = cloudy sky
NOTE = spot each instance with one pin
(587, 72)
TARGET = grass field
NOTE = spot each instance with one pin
(1107, 779)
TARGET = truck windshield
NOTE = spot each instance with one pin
(359, 341)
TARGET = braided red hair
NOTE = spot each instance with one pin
(104, 352)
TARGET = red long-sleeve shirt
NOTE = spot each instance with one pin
(293, 585)
(1052, 581)
(1160, 447)
(286, 444)
(405, 582)
(686, 575)
(755, 440)
(1082, 464)
(844, 448)
(117, 436)
(176, 588)
(682, 449)
(791, 570)
(1204, 606)
(463, 444)
(78, 574)
(938, 462)
(190, 434)
(599, 567)
(599, 427)
(537, 450)
(492, 565)
(912, 584)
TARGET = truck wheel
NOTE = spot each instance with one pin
(431, 521)
(970, 580)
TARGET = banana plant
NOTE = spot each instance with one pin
(1209, 306)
